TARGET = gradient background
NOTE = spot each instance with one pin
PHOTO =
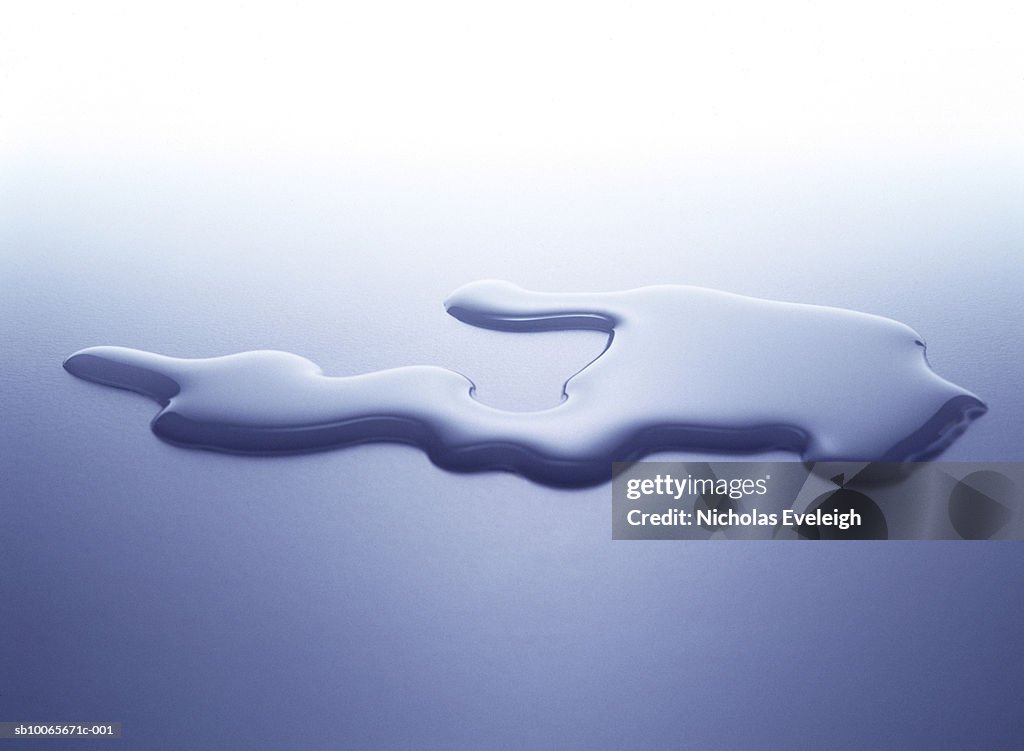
(215, 178)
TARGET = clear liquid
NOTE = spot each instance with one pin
(685, 368)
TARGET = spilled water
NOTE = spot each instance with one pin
(685, 368)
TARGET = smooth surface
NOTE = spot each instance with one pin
(215, 178)
(367, 599)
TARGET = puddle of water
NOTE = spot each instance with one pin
(685, 368)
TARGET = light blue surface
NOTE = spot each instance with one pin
(365, 598)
